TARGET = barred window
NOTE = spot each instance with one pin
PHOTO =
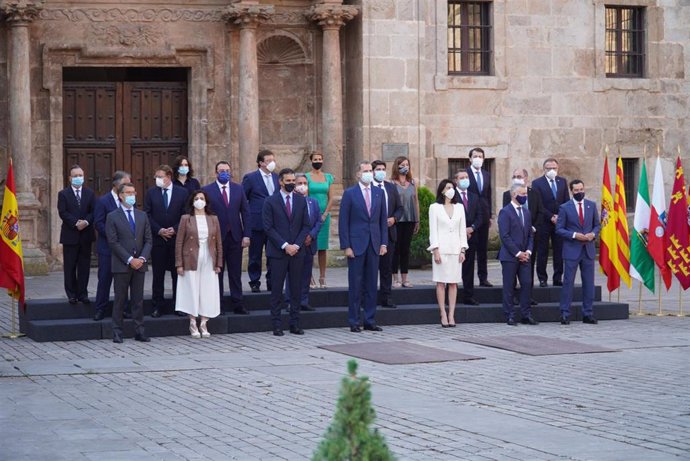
(469, 37)
(631, 175)
(625, 36)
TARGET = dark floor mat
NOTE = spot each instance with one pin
(536, 345)
(397, 352)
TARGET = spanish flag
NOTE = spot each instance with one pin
(608, 252)
(622, 262)
(11, 258)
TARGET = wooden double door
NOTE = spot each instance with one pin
(122, 125)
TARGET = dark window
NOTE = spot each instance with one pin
(630, 177)
(624, 41)
(469, 37)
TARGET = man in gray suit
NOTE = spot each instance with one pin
(129, 237)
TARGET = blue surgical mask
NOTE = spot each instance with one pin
(464, 184)
(183, 170)
(367, 177)
(77, 181)
(131, 200)
(521, 199)
(224, 177)
(379, 175)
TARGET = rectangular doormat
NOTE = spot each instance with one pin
(397, 352)
(536, 345)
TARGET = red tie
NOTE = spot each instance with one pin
(582, 216)
(464, 199)
(225, 197)
(288, 207)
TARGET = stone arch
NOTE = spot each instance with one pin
(281, 48)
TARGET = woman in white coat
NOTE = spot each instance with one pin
(448, 242)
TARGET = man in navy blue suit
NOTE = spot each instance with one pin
(578, 225)
(75, 207)
(515, 230)
(553, 191)
(480, 184)
(165, 204)
(474, 220)
(257, 186)
(286, 223)
(228, 202)
(363, 230)
(107, 203)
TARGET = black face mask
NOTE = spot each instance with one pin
(317, 165)
(289, 187)
(579, 196)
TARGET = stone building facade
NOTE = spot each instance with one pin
(133, 84)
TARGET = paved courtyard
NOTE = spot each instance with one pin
(258, 397)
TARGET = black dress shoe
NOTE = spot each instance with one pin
(565, 321)
(557, 283)
(85, 300)
(532, 302)
(156, 313)
(278, 332)
(99, 315)
(181, 314)
(372, 328)
(389, 305)
(471, 302)
(528, 321)
(485, 283)
(240, 310)
(142, 338)
(117, 338)
(511, 321)
(255, 288)
(590, 320)
(543, 284)
(306, 307)
(73, 301)
(296, 331)
(355, 330)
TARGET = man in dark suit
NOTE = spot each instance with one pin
(286, 223)
(129, 237)
(474, 219)
(515, 230)
(257, 186)
(104, 205)
(533, 204)
(480, 184)
(578, 225)
(228, 202)
(363, 230)
(553, 191)
(75, 207)
(394, 210)
(165, 204)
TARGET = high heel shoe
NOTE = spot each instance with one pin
(193, 329)
(204, 330)
(312, 284)
(322, 283)
(444, 325)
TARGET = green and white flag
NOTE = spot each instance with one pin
(641, 262)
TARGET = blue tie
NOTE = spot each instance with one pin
(479, 181)
(165, 198)
(131, 221)
(553, 188)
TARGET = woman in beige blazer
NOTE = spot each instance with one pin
(198, 258)
(447, 242)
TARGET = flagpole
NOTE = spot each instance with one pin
(680, 302)
(13, 334)
(639, 300)
(659, 314)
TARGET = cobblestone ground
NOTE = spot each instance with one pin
(255, 396)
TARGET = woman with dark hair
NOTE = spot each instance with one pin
(408, 225)
(198, 258)
(183, 174)
(447, 243)
(319, 184)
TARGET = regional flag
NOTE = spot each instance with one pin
(11, 262)
(607, 248)
(622, 262)
(678, 249)
(641, 262)
(657, 238)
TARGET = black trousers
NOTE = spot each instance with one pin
(162, 261)
(279, 270)
(76, 267)
(131, 282)
(401, 257)
(468, 269)
(511, 269)
(386, 273)
(232, 259)
(257, 245)
(482, 236)
(547, 234)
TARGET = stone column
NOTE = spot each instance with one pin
(331, 17)
(248, 17)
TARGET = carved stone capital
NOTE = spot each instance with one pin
(248, 16)
(331, 16)
(20, 12)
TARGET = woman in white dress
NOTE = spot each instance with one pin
(198, 258)
(448, 242)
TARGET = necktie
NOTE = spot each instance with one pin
(131, 221)
(384, 195)
(367, 199)
(522, 218)
(582, 215)
(553, 188)
(287, 206)
(78, 197)
(166, 200)
(464, 199)
(479, 181)
(269, 184)
(225, 196)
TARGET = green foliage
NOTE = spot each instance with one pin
(420, 242)
(349, 437)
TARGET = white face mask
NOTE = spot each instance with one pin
(551, 174)
(271, 166)
(450, 193)
(199, 204)
(519, 181)
(367, 177)
(301, 188)
(160, 182)
(477, 162)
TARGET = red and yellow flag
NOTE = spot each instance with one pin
(622, 261)
(678, 248)
(11, 258)
(608, 251)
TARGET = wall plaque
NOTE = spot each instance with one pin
(392, 150)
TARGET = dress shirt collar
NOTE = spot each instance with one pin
(362, 187)
(75, 189)
(577, 203)
(220, 186)
(285, 194)
(516, 205)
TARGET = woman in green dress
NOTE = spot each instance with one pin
(320, 188)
